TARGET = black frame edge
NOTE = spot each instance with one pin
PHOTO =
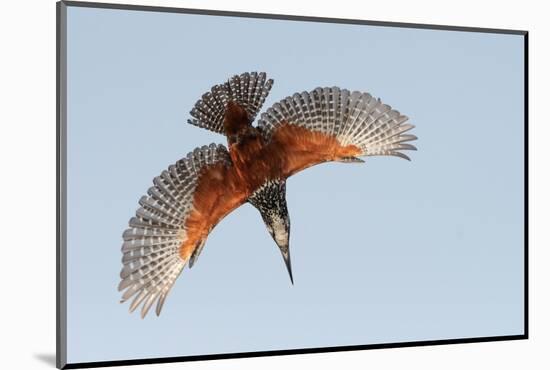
(286, 17)
(61, 121)
(291, 352)
(61, 100)
(526, 182)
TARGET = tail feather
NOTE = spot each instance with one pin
(248, 89)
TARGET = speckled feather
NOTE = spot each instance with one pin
(270, 198)
(151, 258)
(248, 89)
(353, 118)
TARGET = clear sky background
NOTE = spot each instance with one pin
(388, 251)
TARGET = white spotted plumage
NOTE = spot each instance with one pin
(353, 118)
(151, 259)
(247, 89)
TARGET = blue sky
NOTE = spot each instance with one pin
(388, 251)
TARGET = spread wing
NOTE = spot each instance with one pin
(333, 124)
(170, 228)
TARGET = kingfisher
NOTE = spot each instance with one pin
(190, 197)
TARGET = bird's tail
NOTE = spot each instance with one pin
(247, 89)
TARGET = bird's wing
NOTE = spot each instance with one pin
(170, 228)
(333, 124)
(249, 90)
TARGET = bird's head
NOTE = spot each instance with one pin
(270, 200)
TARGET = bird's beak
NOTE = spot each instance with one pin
(286, 257)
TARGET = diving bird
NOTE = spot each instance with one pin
(192, 196)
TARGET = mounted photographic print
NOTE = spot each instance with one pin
(238, 185)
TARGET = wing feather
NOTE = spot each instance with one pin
(333, 124)
(159, 241)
